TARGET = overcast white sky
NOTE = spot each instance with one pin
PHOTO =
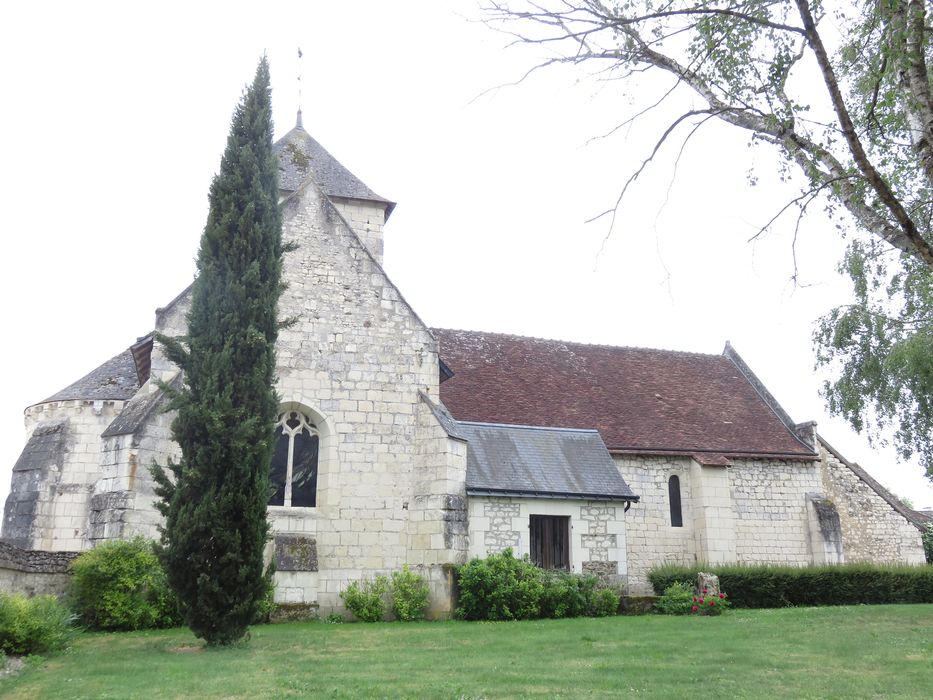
(115, 115)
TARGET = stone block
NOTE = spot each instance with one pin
(295, 552)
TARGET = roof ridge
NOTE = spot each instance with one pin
(576, 343)
(552, 428)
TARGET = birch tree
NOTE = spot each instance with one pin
(842, 92)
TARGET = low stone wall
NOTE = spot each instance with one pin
(34, 572)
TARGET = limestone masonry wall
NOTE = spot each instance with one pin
(753, 511)
(771, 510)
(61, 517)
(367, 219)
(355, 361)
(650, 538)
(597, 531)
(872, 530)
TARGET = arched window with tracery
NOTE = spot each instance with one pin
(293, 473)
(673, 493)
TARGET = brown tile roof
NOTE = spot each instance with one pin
(640, 400)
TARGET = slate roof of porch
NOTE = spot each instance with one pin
(533, 462)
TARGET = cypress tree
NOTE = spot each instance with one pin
(215, 501)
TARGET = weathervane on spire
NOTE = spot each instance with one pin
(299, 88)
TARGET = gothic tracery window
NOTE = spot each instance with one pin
(293, 472)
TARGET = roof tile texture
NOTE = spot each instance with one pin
(639, 400)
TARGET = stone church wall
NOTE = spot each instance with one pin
(367, 220)
(123, 502)
(438, 537)
(356, 360)
(771, 518)
(650, 538)
(872, 530)
(598, 531)
(754, 511)
(63, 495)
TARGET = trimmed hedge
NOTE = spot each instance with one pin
(782, 586)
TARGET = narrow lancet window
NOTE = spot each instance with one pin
(293, 472)
(673, 493)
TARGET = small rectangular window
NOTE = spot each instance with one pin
(550, 541)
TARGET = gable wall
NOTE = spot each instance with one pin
(872, 531)
(357, 357)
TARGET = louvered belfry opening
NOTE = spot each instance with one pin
(550, 541)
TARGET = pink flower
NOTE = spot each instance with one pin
(705, 591)
(694, 608)
(694, 599)
(722, 596)
(712, 603)
(700, 601)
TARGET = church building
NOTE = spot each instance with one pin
(402, 444)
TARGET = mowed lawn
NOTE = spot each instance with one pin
(847, 652)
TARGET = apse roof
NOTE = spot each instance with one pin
(115, 380)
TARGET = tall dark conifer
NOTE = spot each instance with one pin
(215, 502)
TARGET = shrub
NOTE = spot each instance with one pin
(499, 587)
(34, 625)
(409, 595)
(120, 585)
(780, 586)
(706, 604)
(366, 599)
(605, 602)
(266, 607)
(565, 594)
(677, 599)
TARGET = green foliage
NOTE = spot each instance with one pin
(707, 604)
(34, 625)
(215, 498)
(779, 586)
(927, 537)
(265, 607)
(677, 599)
(854, 128)
(843, 652)
(499, 587)
(881, 349)
(120, 585)
(366, 599)
(409, 595)
(606, 602)
(565, 594)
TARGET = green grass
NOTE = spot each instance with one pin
(846, 652)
